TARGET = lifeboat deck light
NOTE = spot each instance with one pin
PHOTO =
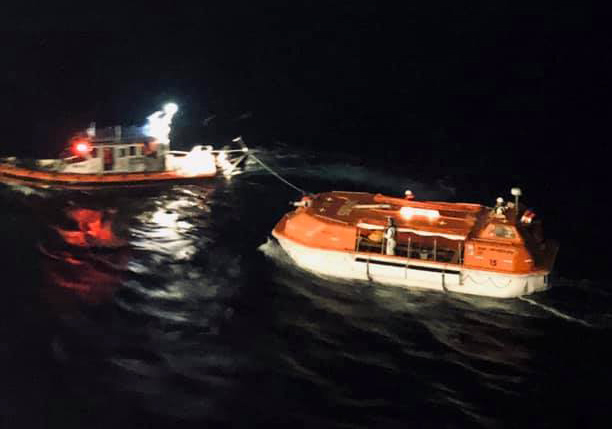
(410, 212)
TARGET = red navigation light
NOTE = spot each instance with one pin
(527, 217)
(81, 147)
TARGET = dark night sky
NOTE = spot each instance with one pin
(484, 95)
(441, 80)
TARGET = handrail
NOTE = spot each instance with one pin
(405, 249)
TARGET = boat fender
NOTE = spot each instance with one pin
(306, 201)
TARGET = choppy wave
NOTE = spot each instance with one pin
(195, 321)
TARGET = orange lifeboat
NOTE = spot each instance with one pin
(458, 247)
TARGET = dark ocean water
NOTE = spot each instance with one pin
(176, 311)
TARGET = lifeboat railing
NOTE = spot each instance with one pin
(410, 250)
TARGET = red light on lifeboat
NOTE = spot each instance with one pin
(527, 217)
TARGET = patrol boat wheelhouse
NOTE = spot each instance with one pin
(457, 247)
(119, 156)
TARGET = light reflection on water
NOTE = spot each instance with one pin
(168, 304)
(164, 308)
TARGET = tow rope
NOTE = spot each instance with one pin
(278, 176)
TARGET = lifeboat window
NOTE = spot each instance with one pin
(132, 150)
(503, 231)
(94, 152)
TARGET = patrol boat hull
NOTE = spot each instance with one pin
(45, 179)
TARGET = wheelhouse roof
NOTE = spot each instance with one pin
(115, 136)
(120, 135)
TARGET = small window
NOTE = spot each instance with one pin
(503, 231)
(94, 152)
(132, 150)
(122, 152)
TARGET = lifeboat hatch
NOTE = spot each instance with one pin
(501, 232)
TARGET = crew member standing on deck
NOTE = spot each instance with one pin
(390, 233)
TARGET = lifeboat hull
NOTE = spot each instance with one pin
(343, 235)
(45, 179)
(393, 271)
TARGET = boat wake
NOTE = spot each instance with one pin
(361, 176)
(27, 190)
(555, 312)
(272, 250)
(311, 171)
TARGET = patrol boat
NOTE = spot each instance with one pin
(121, 156)
(454, 247)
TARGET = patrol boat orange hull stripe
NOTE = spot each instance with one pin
(9, 173)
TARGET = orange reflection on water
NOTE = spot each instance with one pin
(92, 263)
(94, 229)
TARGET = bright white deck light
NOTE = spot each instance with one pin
(170, 108)
(158, 125)
(410, 212)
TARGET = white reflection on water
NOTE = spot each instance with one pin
(164, 231)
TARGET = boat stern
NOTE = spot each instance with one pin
(200, 161)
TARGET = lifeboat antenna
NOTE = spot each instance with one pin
(517, 193)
